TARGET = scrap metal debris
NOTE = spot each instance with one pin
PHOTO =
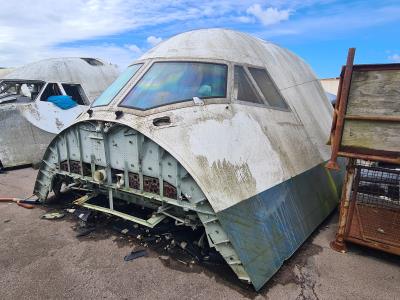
(83, 231)
(53, 216)
(82, 214)
(136, 254)
(184, 245)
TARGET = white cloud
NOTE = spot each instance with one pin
(134, 48)
(152, 40)
(335, 23)
(269, 16)
(245, 19)
(31, 31)
(394, 58)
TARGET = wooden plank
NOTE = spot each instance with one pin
(366, 123)
(374, 93)
(383, 136)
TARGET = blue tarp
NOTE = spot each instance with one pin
(62, 101)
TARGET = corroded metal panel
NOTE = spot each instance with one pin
(268, 228)
(17, 148)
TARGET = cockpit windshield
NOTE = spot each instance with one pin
(19, 91)
(109, 94)
(170, 82)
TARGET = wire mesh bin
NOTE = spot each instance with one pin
(374, 212)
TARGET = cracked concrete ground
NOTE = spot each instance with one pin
(42, 259)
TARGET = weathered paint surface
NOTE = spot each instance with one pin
(20, 141)
(211, 148)
(48, 117)
(241, 156)
(27, 128)
(268, 228)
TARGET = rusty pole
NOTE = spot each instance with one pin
(337, 137)
(391, 160)
(339, 244)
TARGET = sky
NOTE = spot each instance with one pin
(120, 31)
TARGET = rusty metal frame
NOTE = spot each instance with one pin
(351, 223)
(340, 116)
(336, 108)
(339, 243)
(340, 109)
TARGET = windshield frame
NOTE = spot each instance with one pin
(246, 67)
(134, 76)
(147, 68)
(147, 63)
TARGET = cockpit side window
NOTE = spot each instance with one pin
(51, 89)
(171, 82)
(109, 94)
(76, 93)
(243, 88)
(268, 88)
(19, 91)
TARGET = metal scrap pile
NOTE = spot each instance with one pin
(188, 246)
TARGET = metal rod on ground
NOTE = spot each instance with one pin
(18, 201)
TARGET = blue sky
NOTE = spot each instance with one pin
(120, 31)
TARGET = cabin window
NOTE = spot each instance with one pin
(110, 93)
(51, 89)
(268, 88)
(76, 93)
(92, 61)
(170, 82)
(243, 87)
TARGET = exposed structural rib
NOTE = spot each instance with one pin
(120, 163)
